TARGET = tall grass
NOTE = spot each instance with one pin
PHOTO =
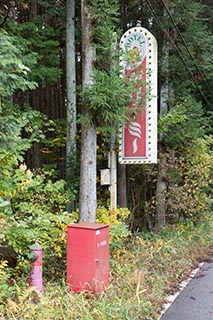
(148, 267)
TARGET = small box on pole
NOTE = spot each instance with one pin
(105, 177)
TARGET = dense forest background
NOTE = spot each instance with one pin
(39, 172)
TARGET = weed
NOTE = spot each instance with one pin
(148, 268)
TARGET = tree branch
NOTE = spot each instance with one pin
(6, 16)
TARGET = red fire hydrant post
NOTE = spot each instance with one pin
(36, 266)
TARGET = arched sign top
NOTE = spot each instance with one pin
(138, 139)
(137, 34)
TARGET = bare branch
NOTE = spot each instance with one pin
(6, 15)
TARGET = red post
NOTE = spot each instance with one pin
(36, 267)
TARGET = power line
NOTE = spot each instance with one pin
(176, 48)
(185, 44)
(167, 34)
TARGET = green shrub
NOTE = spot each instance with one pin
(5, 289)
(152, 265)
(190, 182)
(37, 212)
(116, 219)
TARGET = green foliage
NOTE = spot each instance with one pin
(31, 205)
(53, 9)
(6, 291)
(15, 65)
(116, 219)
(192, 21)
(189, 182)
(13, 123)
(141, 277)
(104, 15)
(12, 149)
(37, 211)
(188, 160)
(12, 177)
(107, 100)
(183, 124)
(10, 136)
(39, 37)
(52, 143)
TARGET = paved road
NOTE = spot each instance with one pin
(195, 302)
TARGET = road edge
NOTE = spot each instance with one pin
(171, 298)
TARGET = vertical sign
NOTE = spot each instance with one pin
(138, 138)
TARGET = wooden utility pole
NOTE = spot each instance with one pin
(113, 180)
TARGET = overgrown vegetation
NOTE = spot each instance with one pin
(144, 265)
(187, 168)
(143, 271)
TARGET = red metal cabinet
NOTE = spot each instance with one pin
(87, 256)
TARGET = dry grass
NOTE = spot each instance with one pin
(150, 267)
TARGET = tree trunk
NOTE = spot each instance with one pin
(87, 201)
(33, 8)
(87, 205)
(122, 198)
(160, 220)
(71, 78)
(71, 97)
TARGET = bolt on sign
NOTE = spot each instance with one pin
(138, 138)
